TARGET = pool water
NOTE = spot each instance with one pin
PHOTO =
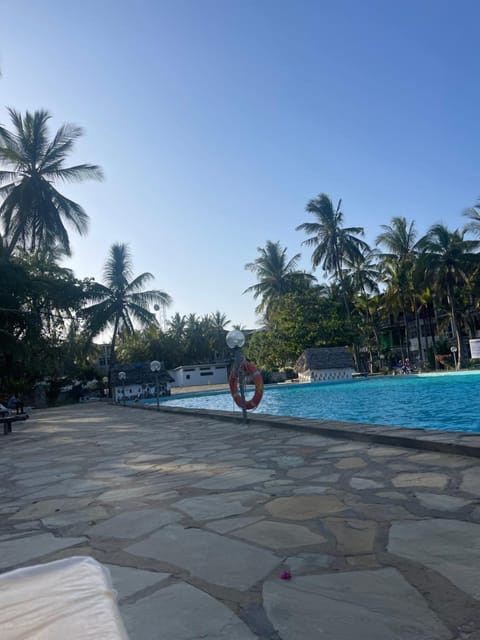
(429, 401)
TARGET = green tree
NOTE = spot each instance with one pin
(400, 260)
(332, 242)
(447, 259)
(473, 213)
(276, 275)
(33, 212)
(39, 303)
(121, 300)
(218, 331)
(302, 319)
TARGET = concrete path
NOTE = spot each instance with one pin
(197, 519)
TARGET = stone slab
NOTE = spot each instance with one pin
(471, 481)
(378, 605)
(67, 518)
(308, 562)
(433, 480)
(353, 536)
(451, 547)
(230, 524)
(127, 581)
(304, 507)
(441, 502)
(279, 535)
(351, 463)
(49, 507)
(24, 550)
(365, 483)
(301, 473)
(132, 524)
(220, 505)
(208, 556)
(182, 612)
(310, 490)
(235, 477)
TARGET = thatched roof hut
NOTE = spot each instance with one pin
(324, 364)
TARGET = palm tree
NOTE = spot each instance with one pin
(176, 327)
(332, 241)
(400, 240)
(276, 275)
(218, 325)
(121, 301)
(474, 215)
(447, 258)
(361, 275)
(33, 212)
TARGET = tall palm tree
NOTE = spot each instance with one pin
(121, 302)
(218, 323)
(276, 275)
(400, 240)
(32, 211)
(332, 241)
(474, 216)
(447, 258)
(176, 327)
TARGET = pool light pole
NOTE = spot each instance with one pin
(155, 367)
(454, 353)
(122, 377)
(105, 386)
(382, 363)
(235, 341)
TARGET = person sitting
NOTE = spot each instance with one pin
(15, 403)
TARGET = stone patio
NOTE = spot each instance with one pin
(196, 518)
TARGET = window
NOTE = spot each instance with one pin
(206, 373)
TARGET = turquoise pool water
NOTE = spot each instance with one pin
(438, 401)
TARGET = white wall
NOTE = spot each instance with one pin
(325, 375)
(195, 375)
(133, 390)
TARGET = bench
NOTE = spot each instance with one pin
(8, 419)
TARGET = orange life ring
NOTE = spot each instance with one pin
(250, 368)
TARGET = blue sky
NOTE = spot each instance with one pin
(215, 122)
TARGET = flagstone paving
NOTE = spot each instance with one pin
(197, 518)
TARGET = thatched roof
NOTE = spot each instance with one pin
(139, 373)
(325, 358)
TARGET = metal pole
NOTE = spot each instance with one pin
(156, 386)
(241, 380)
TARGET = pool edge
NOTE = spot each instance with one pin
(453, 442)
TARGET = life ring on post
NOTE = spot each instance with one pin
(256, 376)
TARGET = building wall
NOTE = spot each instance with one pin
(325, 375)
(133, 391)
(195, 375)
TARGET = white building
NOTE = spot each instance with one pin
(199, 374)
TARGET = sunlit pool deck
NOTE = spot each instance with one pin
(198, 516)
(455, 442)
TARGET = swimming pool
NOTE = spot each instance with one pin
(429, 401)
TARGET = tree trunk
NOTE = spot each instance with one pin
(112, 355)
(419, 335)
(456, 333)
